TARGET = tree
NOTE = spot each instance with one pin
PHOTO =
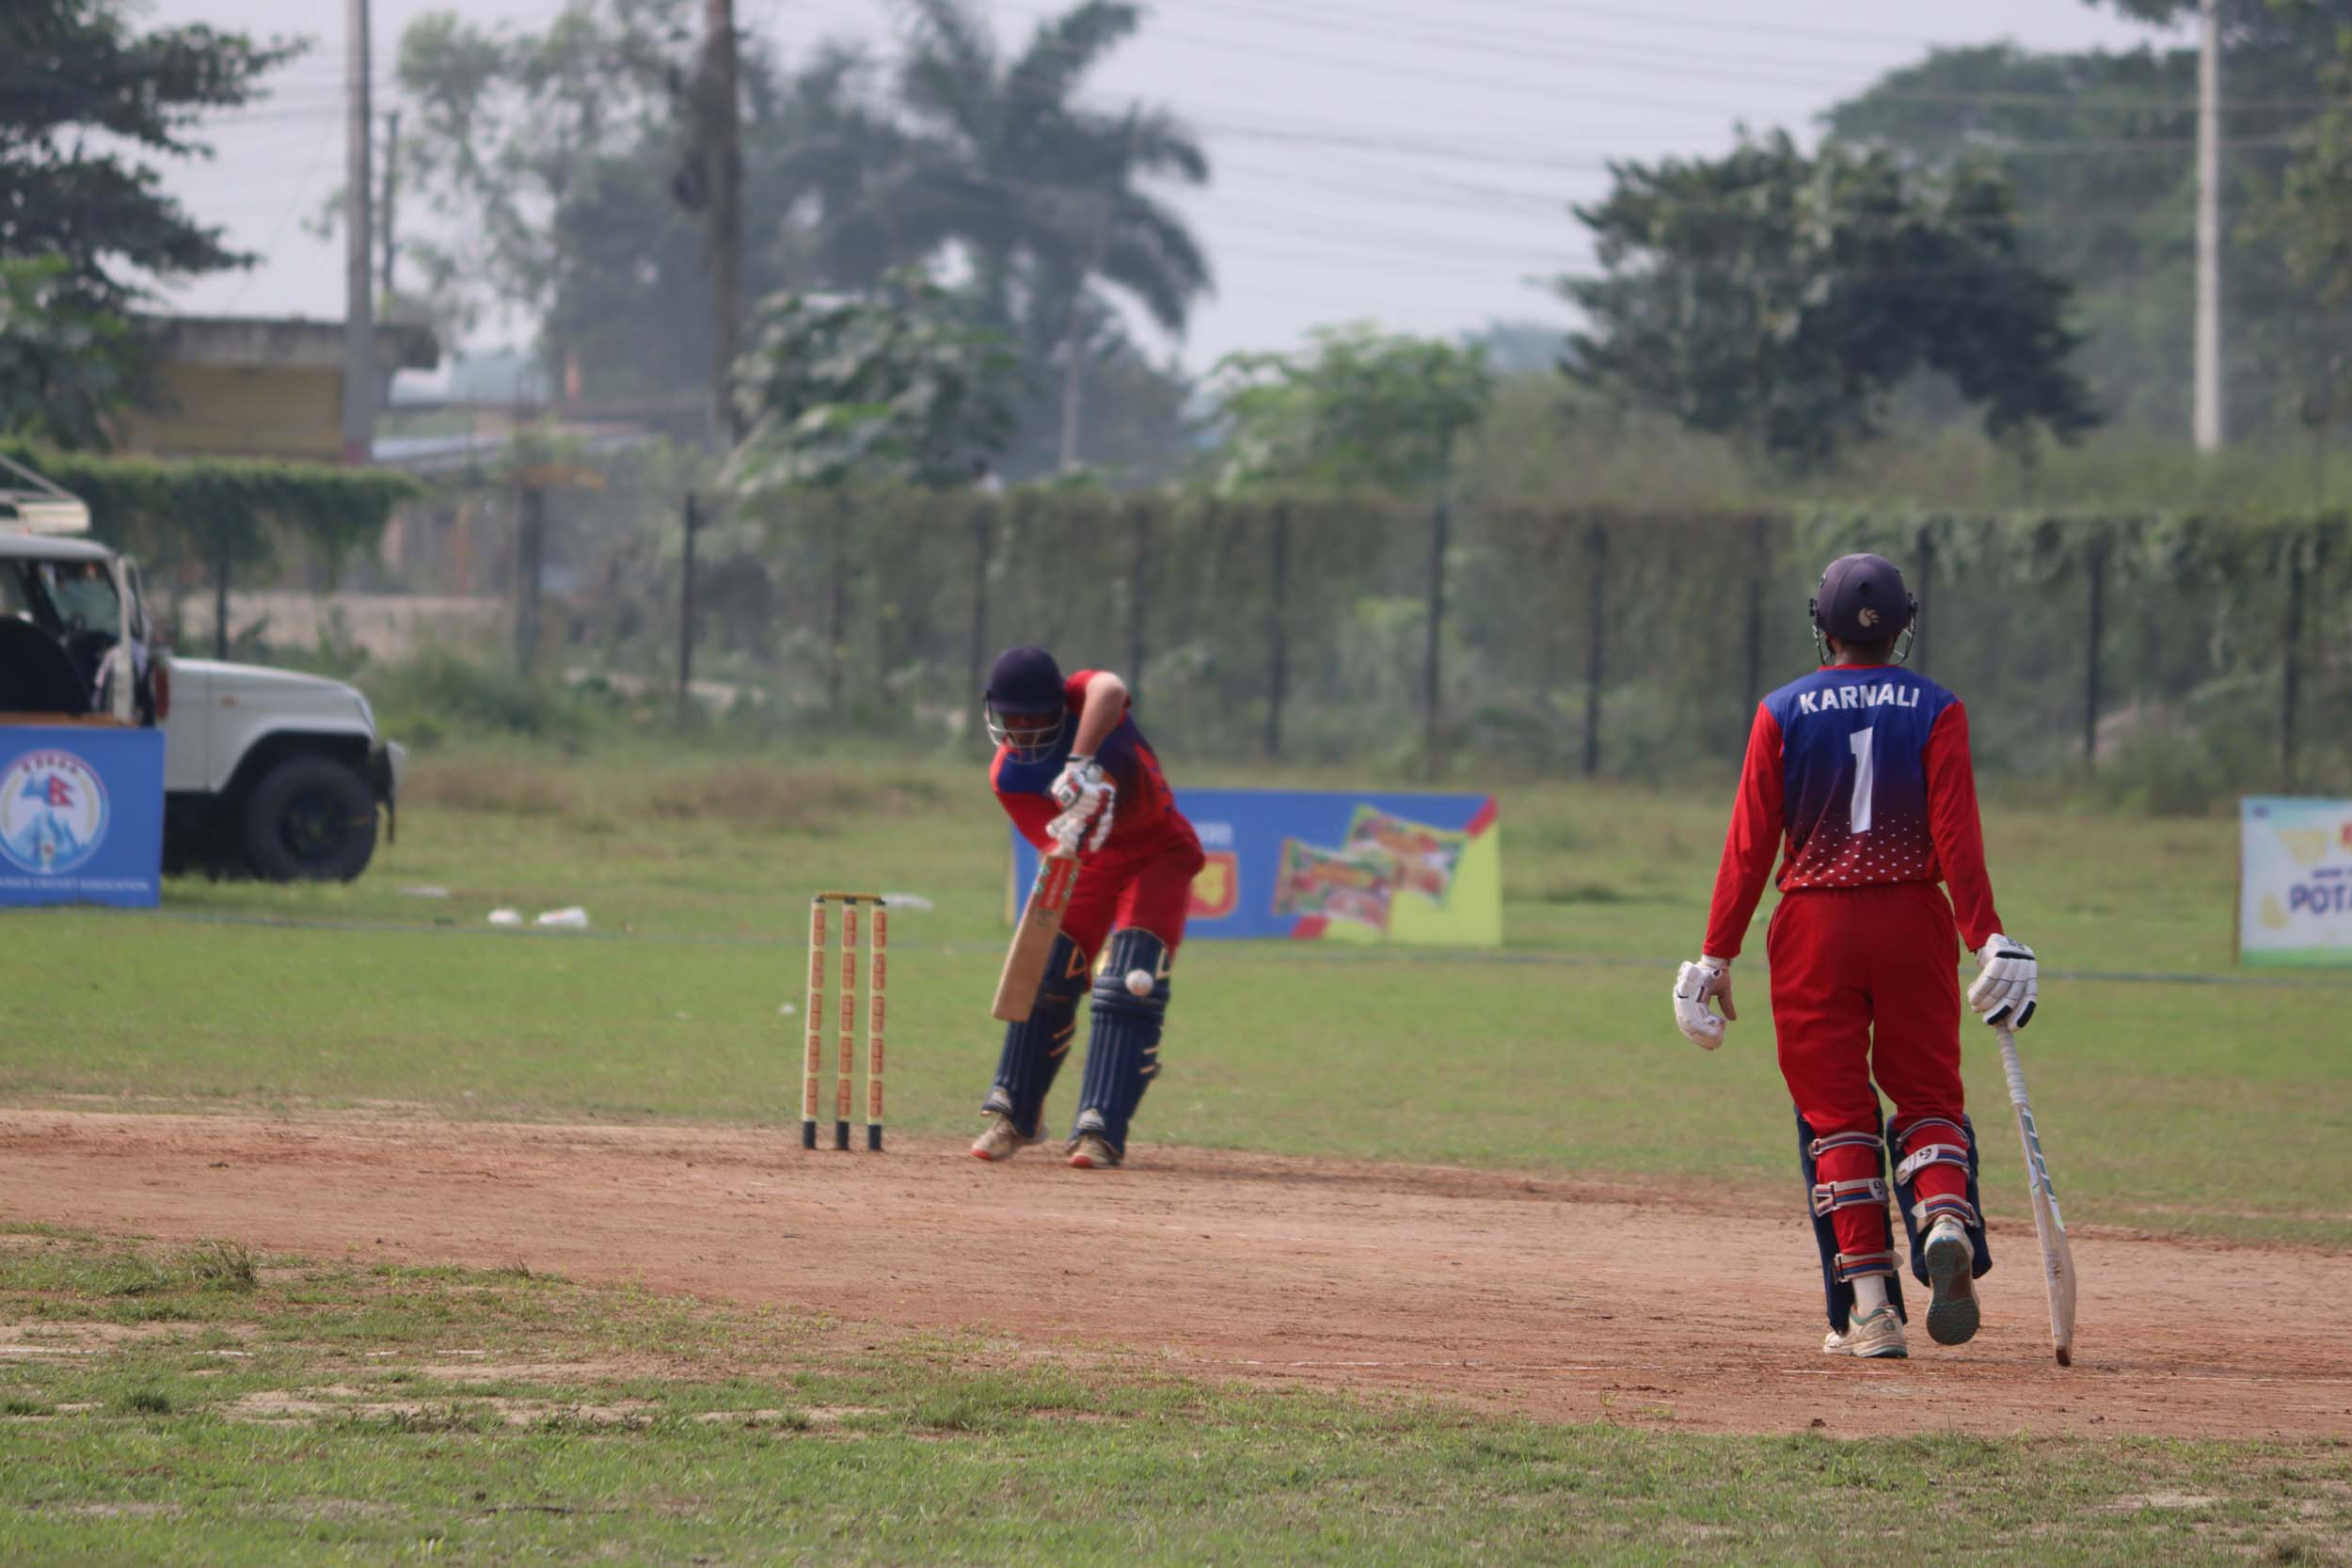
(1358, 409)
(2101, 149)
(1046, 194)
(576, 204)
(1782, 299)
(65, 363)
(903, 387)
(511, 127)
(86, 104)
(84, 101)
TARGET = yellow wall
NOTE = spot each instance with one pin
(236, 411)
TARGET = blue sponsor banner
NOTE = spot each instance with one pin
(81, 815)
(1338, 865)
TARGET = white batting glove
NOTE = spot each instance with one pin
(2008, 979)
(1081, 777)
(1695, 985)
(1087, 801)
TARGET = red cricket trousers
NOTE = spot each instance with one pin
(1866, 985)
(1146, 884)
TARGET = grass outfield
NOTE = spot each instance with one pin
(2222, 1109)
(259, 1411)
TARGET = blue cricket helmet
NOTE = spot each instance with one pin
(1862, 599)
(1027, 683)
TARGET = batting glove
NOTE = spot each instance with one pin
(2009, 980)
(1695, 985)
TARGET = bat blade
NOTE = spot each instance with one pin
(2049, 1221)
(1033, 939)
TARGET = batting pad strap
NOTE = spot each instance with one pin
(1929, 1210)
(1932, 1154)
(1847, 1140)
(1865, 1192)
(1852, 1266)
(1911, 1132)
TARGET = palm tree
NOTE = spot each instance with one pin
(1045, 194)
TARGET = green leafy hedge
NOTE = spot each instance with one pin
(220, 513)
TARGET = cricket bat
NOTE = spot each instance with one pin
(1033, 939)
(2057, 1258)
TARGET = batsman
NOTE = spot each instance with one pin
(1859, 776)
(1077, 778)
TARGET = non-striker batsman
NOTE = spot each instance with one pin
(1077, 777)
(1858, 775)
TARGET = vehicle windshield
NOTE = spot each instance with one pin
(83, 593)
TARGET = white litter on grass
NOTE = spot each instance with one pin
(506, 917)
(786, 1010)
(914, 901)
(570, 918)
(425, 891)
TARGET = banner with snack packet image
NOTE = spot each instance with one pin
(2294, 879)
(1336, 866)
(1336, 884)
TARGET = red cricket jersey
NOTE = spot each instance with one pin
(1147, 806)
(1860, 776)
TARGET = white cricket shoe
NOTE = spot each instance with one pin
(1093, 1151)
(1953, 1314)
(1001, 1141)
(1873, 1335)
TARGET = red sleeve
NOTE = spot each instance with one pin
(1754, 839)
(1074, 692)
(1952, 822)
(1029, 813)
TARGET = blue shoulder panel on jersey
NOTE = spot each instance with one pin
(1853, 760)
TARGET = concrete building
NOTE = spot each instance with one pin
(253, 387)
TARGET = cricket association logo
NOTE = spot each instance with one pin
(53, 812)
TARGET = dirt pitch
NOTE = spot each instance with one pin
(1554, 1299)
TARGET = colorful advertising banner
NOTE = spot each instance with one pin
(81, 815)
(2295, 874)
(1337, 866)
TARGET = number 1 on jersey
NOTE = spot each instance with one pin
(1858, 813)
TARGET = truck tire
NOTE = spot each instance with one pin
(310, 819)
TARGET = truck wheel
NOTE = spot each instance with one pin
(313, 818)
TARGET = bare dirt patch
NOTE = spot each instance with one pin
(1552, 1299)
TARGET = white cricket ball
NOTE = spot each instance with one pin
(1139, 982)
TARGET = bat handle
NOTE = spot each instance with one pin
(2013, 1069)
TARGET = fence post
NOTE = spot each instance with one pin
(1138, 595)
(693, 519)
(838, 608)
(976, 647)
(2095, 570)
(1925, 594)
(1277, 642)
(1433, 655)
(220, 600)
(1757, 553)
(2290, 672)
(1596, 544)
(531, 538)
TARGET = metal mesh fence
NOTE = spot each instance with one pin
(2181, 654)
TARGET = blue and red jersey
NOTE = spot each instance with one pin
(1147, 806)
(1858, 776)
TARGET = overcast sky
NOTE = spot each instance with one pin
(1409, 161)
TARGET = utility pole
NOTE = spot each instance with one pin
(2208, 368)
(392, 195)
(358, 273)
(723, 154)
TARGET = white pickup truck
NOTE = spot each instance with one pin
(266, 771)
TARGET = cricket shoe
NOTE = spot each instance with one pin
(1001, 1141)
(1952, 1313)
(1872, 1336)
(1093, 1151)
